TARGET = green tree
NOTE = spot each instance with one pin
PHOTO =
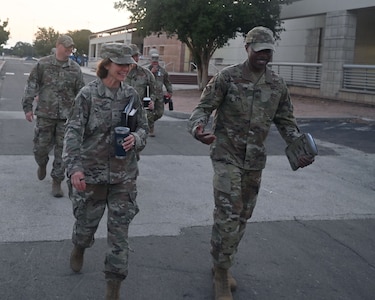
(203, 25)
(81, 40)
(4, 34)
(45, 40)
(22, 49)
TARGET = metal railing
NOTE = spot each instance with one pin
(359, 77)
(170, 63)
(301, 74)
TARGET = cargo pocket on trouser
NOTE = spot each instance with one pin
(122, 208)
(122, 205)
(227, 187)
(88, 209)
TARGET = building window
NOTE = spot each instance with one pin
(219, 60)
(146, 51)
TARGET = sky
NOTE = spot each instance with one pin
(26, 16)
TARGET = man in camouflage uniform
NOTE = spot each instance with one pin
(97, 178)
(142, 80)
(53, 84)
(248, 98)
(162, 79)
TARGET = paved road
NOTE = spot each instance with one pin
(311, 236)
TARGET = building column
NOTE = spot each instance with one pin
(339, 44)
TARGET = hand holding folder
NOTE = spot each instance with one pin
(304, 147)
(129, 116)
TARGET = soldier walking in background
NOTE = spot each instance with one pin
(141, 78)
(53, 83)
(248, 98)
(162, 79)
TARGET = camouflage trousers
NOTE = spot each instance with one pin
(235, 193)
(88, 210)
(156, 113)
(48, 135)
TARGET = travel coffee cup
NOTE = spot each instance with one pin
(120, 134)
(146, 102)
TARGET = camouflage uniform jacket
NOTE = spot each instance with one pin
(140, 77)
(56, 86)
(162, 78)
(89, 134)
(244, 114)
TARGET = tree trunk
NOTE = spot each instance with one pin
(199, 77)
(203, 74)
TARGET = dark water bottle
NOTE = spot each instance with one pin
(170, 104)
(120, 134)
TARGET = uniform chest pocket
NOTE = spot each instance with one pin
(266, 102)
(102, 116)
(239, 99)
(118, 115)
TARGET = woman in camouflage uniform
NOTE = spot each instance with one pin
(97, 179)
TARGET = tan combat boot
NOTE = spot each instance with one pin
(76, 258)
(113, 290)
(56, 189)
(42, 172)
(231, 280)
(221, 284)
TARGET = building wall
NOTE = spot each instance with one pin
(172, 53)
(304, 8)
(232, 53)
(339, 41)
(302, 40)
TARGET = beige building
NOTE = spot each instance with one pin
(174, 55)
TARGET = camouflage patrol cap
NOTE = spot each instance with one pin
(118, 53)
(153, 51)
(260, 38)
(155, 57)
(65, 40)
(135, 50)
